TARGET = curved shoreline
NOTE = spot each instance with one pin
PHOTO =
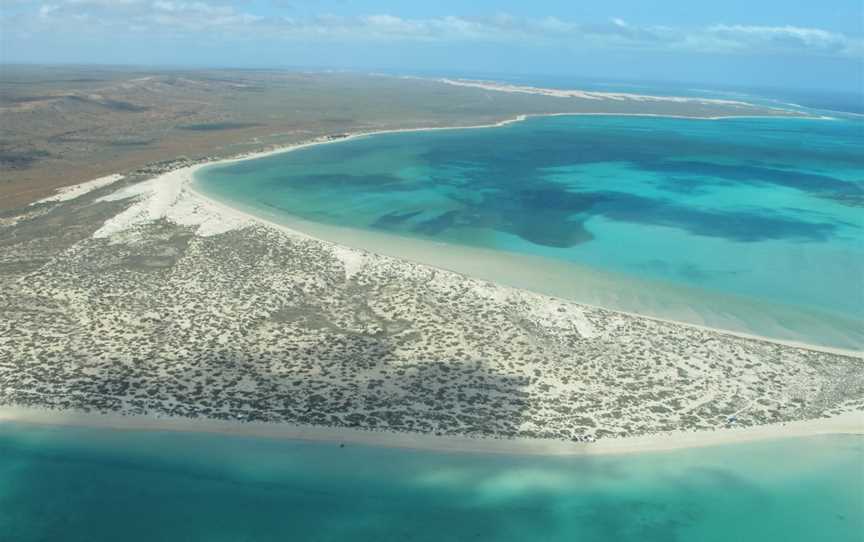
(243, 215)
(848, 423)
(239, 213)
(518, 118)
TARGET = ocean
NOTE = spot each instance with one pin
(752, 225)
(80, 484)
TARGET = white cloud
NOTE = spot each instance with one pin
(47, 9)
(104, 3)
(782, 38)
(233, 19)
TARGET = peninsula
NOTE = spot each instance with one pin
(132, 295)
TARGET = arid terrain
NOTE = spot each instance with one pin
(66, 125)
(136, 295)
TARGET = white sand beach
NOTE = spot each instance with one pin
(173, 196)
(587, 95)
(849, 423)
(68, 193)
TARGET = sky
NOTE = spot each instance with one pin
(796, 44)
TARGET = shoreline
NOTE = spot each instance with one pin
(851, 423)
(240, 214)
(172, 196)
(251, 217)
(73, 191)
(518, 118)
(182, 181)
(499, 86)
(513, 88)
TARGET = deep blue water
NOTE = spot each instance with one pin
(768, 211)
(75, 484)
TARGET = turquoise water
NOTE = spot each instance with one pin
(76, 484)
(768, 211)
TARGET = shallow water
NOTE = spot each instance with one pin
(764, 210)
(77, 484)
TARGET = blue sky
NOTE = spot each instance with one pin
(788, 43)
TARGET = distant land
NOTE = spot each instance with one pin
(66, 125)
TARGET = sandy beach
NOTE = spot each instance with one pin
(560, 280)
(473, 261)
(589, 95)
(849, 423)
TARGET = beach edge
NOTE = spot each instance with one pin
(850, 423)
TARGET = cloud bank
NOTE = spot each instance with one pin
(30, 18)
